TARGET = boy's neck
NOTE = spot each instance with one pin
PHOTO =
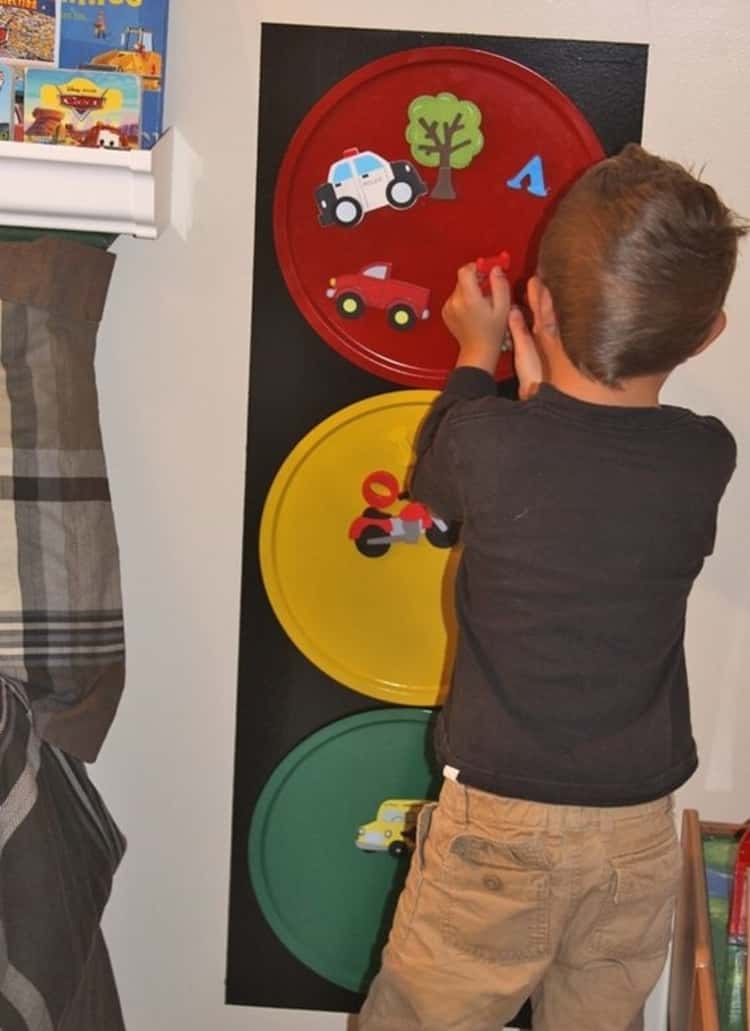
(639, 392)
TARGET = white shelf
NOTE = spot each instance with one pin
(81, 188)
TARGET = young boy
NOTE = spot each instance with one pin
(550, 864)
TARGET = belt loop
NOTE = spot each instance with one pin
(465, 791)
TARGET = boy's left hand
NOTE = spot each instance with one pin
(478, 321)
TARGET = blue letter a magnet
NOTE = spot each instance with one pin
(533, 170)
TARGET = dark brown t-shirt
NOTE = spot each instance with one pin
(584, 527)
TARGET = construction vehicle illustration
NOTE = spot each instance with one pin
(136, 54)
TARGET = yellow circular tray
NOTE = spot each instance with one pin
(382, 626)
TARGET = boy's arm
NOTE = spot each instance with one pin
(478, 323)
(436, 476)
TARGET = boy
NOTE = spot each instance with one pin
(550, 864)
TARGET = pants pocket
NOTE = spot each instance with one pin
(497, 908)
(635, 920)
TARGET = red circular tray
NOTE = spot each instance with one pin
(523, 115)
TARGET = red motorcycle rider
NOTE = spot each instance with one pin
(376, 530)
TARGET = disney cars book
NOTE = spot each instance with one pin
(82, 109)
(121, 37)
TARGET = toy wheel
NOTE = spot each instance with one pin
(401, 316)
(397, 849)
(350, 305)
(347, 211)
(442, 538)
(366, 546)
(400, 194)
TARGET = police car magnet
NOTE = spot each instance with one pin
(360, 182)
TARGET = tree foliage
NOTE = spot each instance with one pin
(444, 132)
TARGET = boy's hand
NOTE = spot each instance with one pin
(529, 369)
(478, 322)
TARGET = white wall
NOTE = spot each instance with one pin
(173, 365)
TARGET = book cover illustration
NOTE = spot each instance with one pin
(29, 31)
(84, 109)
(7, 98)
(115, 36)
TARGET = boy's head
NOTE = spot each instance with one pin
(637, 258)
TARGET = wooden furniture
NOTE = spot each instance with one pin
(693, 997)
(693, 1003)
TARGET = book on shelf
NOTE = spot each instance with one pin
(30, 31)
(7, 101)
(82, 108)
(121, 37)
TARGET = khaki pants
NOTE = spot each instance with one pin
(506, 900)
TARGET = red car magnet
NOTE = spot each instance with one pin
(404, 303)
(352, 153)
(486, 265)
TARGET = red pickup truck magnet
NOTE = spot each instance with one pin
(404, 303)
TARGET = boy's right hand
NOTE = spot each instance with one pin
(477, 321)
(529, 369)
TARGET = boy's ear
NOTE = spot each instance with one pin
(718, 327)
(542, 307)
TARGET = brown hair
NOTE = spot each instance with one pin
(638, 258)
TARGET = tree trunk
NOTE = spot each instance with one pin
(443, 189)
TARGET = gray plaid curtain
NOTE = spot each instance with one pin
(61, 642)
